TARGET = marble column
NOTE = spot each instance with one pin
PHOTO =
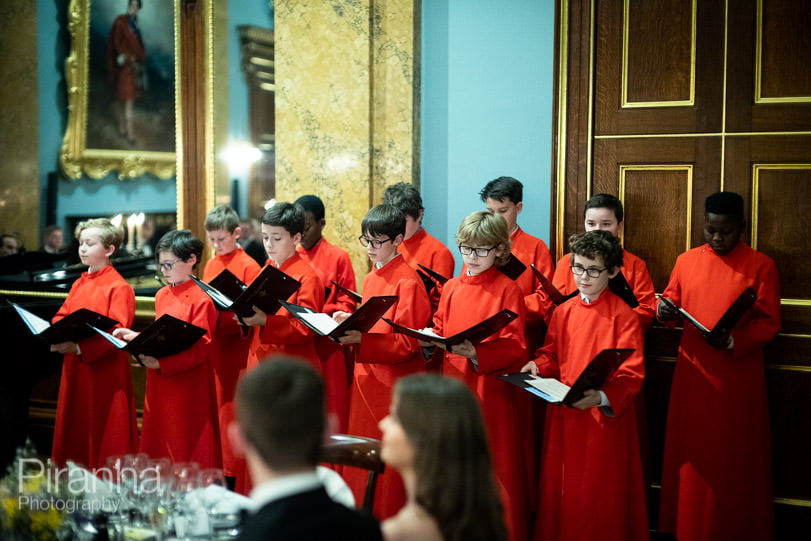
(346, 106)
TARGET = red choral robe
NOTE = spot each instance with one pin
(333, 263)
(467, 300)
(381, 358)
(283, 334)
(180, 406)
(95, 412)
(636, 273)
(427, 250)
(716, 478)
(591, 484)
(229, 353)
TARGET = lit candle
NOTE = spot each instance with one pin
(139, 227)
(131, 232)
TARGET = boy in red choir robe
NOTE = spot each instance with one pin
(95, 412)
(282, 227)
(180, 405)
(382, 356)
(479, 293)
(504, 197)
(330, 263)
(604, 212)
(229, 344)
(591, 483)
(716, 476)
(418, 246)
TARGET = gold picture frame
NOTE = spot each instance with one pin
(77, 157)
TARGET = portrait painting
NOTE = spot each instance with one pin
(121, 76)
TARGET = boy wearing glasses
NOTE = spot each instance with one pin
(282, 227)
(604, 212)
(592, 484)
(180, 406)
(381, 355)
(480, 292)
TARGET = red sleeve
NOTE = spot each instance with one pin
(642, 286)
(122, 309)
(413, 310)
(623, 387)
(505, 350)
(764, 324)
(283, 328)
(345, 275)
(546, 358)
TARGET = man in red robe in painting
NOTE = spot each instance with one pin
(126, 57)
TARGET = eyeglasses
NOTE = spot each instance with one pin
(168, 265)
(592, 272)
(372, 242)
(480, 252)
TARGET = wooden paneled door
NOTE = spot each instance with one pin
(663, 102)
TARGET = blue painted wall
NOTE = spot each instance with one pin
(487, 104)
(487, 87)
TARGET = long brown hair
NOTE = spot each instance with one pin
(454, 471)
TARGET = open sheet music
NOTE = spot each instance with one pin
(727, 321)
(475, 334)
(593, 376)
(71, 328)
(362, 320)
(165, 336)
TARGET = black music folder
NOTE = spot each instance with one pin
(593, 376)
(557, 297)
(513, 268)
(165, 336)
(619, 286)
(727, 321)
(265, 291)
(430, 277)
(71, 328)
(475, 334)
(357, 297)
(362, 320)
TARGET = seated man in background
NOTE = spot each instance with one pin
(280, 428)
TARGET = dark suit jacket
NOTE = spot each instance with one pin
(310, 515)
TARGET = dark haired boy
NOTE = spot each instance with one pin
(330, 263)
(280, 427)
(603, 212)
(418, 247)
(180, 406)
(282, 333)
(229, 346)
(592, 485)
(716, 475)
(504, 197)
(381, 355)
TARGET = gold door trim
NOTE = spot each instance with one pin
(665, 167)
(563, 76)
(756, 169)
(625, 103)
(759, 62)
